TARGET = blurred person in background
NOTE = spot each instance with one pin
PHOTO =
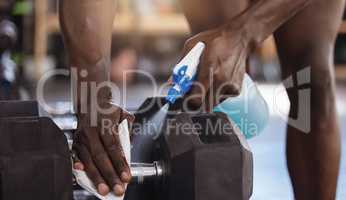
(123, 61)
(305, 33)
(5, 8)
(8, 36)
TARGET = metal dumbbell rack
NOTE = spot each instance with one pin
(192, 166)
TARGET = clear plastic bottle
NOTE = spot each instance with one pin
(249, 111)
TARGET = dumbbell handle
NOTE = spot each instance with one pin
(143, 171)
(140, 171)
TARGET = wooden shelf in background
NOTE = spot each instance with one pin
(166, 24)
(126, 23)
(173, 24)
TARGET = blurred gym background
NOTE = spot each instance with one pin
(149, 35)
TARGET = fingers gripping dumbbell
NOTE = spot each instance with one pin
(139, 171)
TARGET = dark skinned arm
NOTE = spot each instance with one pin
(265, 16)
(222, 66)
(87, 29)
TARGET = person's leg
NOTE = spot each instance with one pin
(307, 40)
(204, 15)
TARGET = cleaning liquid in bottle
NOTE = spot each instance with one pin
(249, 111)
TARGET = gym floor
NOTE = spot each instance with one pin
(271, 180)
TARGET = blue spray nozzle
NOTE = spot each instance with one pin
(179, 88)
(184, 73)
(172, 95)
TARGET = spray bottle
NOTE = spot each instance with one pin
(184, 73)
(248, 110)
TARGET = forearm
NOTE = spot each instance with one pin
(263, 17)
(87, 29)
